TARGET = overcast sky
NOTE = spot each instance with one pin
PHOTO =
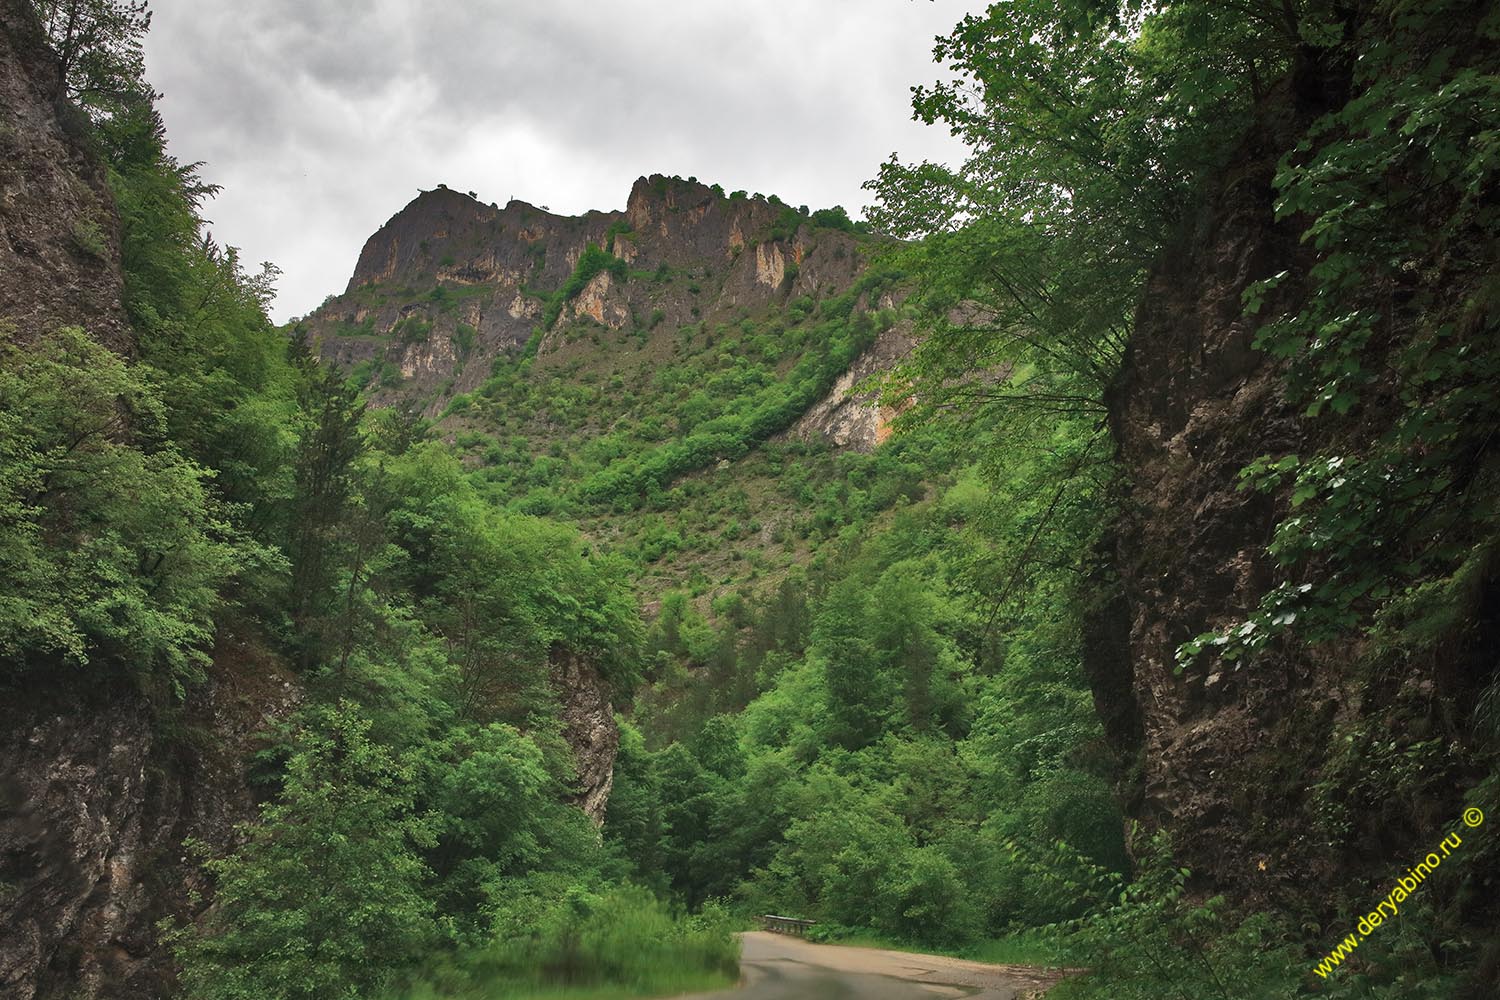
(322, 118)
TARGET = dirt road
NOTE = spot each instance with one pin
(777, 967)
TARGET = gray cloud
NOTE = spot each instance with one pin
(321, 119)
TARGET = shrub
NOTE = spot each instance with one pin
(832, 218)
(464, 336)
(90, 238)
(324, 897)
(619, 937)
(110, 551)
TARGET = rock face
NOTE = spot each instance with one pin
(96, 799)
(97, 790)
(1248, 768)
(449, 284)
(1193, 405)
(854, 419)
(59, 235)
(589, 727)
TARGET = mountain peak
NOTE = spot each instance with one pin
(448, 269)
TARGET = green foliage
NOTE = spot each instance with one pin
(785, 226)
(329, 444)
(113, 548)
(99, 47)
(464, 337)
(413, 329)
(1150, 938)
(1392, 325)
(324, 899)
(90, 238)
(832, 218)
(422, 792)
(620, 937)
(754, 414)
(882, 764)
(618, 230)
(504, 589)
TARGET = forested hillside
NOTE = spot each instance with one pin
(265, 647)
(1087, 560)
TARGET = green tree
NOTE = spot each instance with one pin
(112, 548)
(861, 694)
(331, 440)
(99, 45)
(325, 898)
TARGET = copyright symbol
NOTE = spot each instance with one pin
(1473, 817)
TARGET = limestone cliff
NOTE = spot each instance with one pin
(98, 786)
(449, 283)
(589, 727)
(97, 795)
(1268, 776)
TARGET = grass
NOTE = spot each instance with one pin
(621, 944)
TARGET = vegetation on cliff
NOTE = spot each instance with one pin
(222, 489)
(911, 692)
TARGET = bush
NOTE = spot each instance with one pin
(464, 337)
(324, 899)
(111, 551)
(926, 901)
(619, 937)
(832, 218)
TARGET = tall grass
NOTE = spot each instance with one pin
(621, 944)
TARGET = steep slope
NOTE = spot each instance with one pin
(59, 237)
(1193, 405)
(1293, 773)
(96, 793)
(649, 373)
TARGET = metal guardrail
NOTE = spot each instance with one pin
(785, 925)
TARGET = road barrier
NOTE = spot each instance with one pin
(785, 925)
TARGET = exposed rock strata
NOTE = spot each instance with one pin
(589, 727)
(851, 416)
(96, 799)
(59, 236)
(1244, 764)
(98, 789)
(478, 274)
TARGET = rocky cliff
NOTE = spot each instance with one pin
(589, 726)
(1193, 405)
(1290, 775)
(59, 236)
(98, 786)
(450, 284)
(97, 796)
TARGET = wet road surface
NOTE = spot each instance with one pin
(777, 967)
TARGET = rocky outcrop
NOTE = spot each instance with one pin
(589, 727)
(59, 235)
(99, 785)
(97, 796)
(851, 415)
(449, 275)
(1247, 765)
(1192, 406)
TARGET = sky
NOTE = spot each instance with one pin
(322, 118)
